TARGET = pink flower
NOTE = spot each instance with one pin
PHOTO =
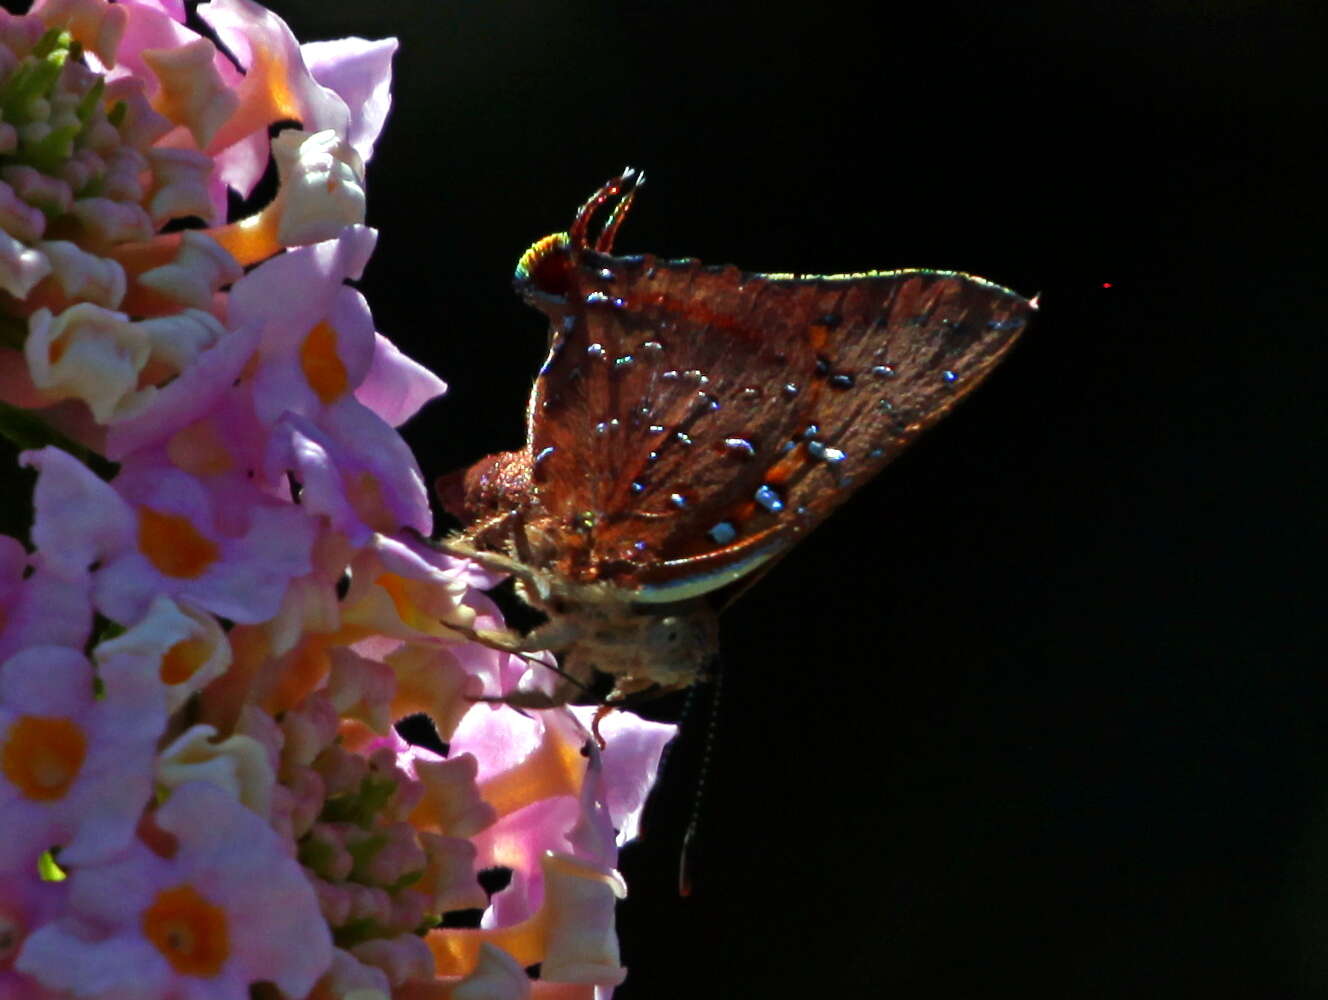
(363, 480)
(148, 124)
(174, 644)
(555, 792)
(39, 607)
(203, 648)
(571, 934)
(395, 387)
(26, 902)
(163, 538)
(75, 769)
(201, 409)
(619, 778)
(228, 909)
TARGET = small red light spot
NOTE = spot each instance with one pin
(1106, 284)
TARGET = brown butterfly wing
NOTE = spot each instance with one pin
(690, 417)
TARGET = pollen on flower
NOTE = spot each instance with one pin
(173, 545)
(322, 367)
(42, 756)
(190, 932)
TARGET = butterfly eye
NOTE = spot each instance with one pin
(545, 268)
(669, 631)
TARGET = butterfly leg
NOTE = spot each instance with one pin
(535, 582)
(600, 714)
(502, 641)
(552, 636)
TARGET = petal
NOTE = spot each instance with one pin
(238, 765)
(87, 353)
(21, 267)
(83, 275)
(242, 865)
(360, 72)
(582, 945)
(193, 93)
(630, 759)
(277, 84)
(185, 399)
(395, 387)
(80, 520)
(322, 185)
(47, 609)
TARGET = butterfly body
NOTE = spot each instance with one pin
(643, 638)
(691, 423)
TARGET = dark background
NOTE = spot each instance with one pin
(1038, 709)
(1041, 709)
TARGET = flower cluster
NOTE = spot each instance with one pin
(225, 601)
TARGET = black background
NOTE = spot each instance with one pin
(1040, 708)
(1036, 711)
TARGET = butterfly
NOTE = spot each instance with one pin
(692, 423)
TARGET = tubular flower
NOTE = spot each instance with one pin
(117, 121)
(225, 601)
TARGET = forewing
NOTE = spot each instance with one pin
(691, 418)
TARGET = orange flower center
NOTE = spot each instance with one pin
(42, 756)
(183, 659)
(189, 931)
(173, 545)
(322, 366)
(201, 449)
